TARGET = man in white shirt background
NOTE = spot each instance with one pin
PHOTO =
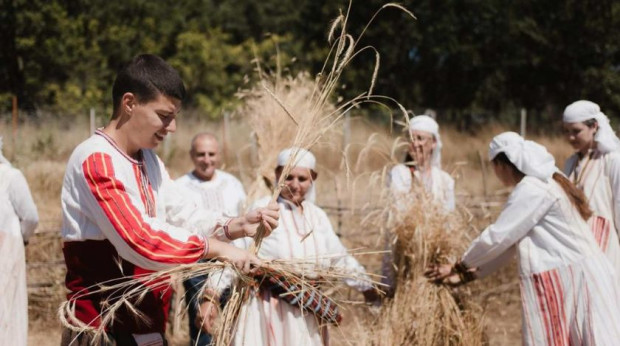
(214, 190)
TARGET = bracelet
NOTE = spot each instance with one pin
(464, 273)
(226, 229)
(207, 246)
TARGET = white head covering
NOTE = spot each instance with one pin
(427, 124)
(529, 157)
(582, 110)
(2, 158)
(304, 159)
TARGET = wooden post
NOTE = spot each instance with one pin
(92, 120)
(484, 175)
(225, 127)
(14, 136)
(523, 122)
(254, 149)
(346, 130)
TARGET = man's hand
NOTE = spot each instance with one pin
(207, 314)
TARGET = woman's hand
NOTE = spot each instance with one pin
(371, 295)
(445, 274)
(267, 217)
(438, 272)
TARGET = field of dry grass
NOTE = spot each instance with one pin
(41, 150)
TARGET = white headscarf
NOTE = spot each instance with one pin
(2, 158)
(303, 159)
(582, 110)
(427, 124)
(529, 157)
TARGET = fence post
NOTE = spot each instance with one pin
(225, 137)
(14, 123)
(92, 120)
(523, 122)
(346, 130)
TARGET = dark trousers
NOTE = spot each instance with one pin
(192, 296)
(72, 338)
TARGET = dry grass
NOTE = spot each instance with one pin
(499, 295)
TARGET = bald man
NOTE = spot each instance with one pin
(214, 190)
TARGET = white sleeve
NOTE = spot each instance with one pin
(21, 199)
(143, 240)
(185, 211)
(222, 279)
(399, 179)
(241, 197)
(341, 258)
(503, 259)
(613, 172)
(449, 193)
(526, 205)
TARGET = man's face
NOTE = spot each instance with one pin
(206, 157)
(150, 122)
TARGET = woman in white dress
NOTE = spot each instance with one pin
(304, 233)
(420, 173)
(423, 166)
(595, 169)
(568, 291)
(18, 220)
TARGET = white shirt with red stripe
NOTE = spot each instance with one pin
(569, 292)
(108, 195)
(598, 176)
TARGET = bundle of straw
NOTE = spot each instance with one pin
(305, 123)
(309, 118)
(421, 313)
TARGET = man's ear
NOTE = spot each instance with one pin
(128, 102)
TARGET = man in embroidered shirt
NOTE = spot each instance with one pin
(122, 216)
(214, 190)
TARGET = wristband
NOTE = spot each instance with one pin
(226, 229)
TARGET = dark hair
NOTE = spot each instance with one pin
(146, 76)
(590, 122)
(576, 196)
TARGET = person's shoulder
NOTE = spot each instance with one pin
(10, 172)
(399, 169)
(93, 145)
(227, 176)
(531, 187)
(613, 156)
(184, 179)
(315, 208)
(445, 176)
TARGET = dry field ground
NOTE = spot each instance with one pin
(41, 150)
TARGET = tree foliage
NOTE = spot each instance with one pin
(460, 57)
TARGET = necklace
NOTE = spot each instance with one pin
(578, 177)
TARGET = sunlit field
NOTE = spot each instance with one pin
(351, 160)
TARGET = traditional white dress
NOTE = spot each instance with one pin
(598, 176)
(223, 193)
(568, 290)
(18, 220)
(302, 234)
(439, 185)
